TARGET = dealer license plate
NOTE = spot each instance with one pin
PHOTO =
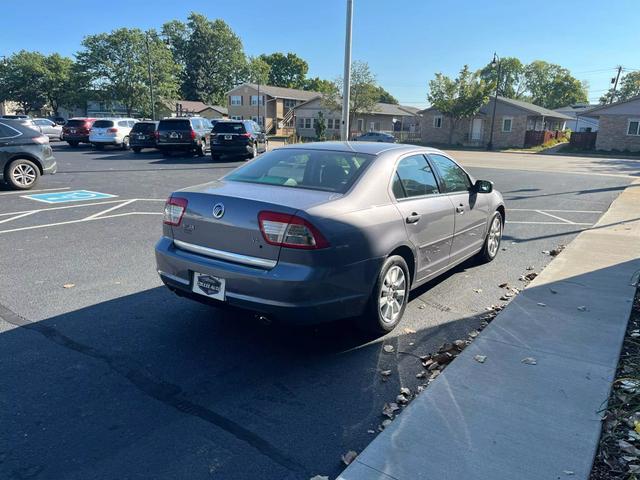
(208, 285)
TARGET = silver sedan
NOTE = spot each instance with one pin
(323, 231)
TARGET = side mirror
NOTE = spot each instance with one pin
(483, 186)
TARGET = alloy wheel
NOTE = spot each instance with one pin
(495, 235)
(392, 294)
(24, 174)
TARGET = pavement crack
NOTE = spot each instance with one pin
(165, 392)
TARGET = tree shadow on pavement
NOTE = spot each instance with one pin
(153, 386)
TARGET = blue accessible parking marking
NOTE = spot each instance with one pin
(69, 196)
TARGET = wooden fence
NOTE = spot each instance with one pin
(533, 138)
(583, 140)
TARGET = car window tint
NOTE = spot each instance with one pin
(229, 127)
(75, 123)
(144, 127)
(6, 131)
(416, 177)
(197, 124)
(103, 124)
(455, 179)
(398, 189)
(312, 169)
(123, 123)
(174, 125)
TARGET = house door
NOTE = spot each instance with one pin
(476, 129)
(360, 125)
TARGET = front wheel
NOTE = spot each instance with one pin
(125, 143)
(254, 152)
(492, 241)
(22, 174)
(389, 297)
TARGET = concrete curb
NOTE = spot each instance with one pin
(505, 419)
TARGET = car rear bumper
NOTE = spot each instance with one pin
(291, 293)
(176, 145)
(75, 138)
(142, 143)
(218, 149)
(105, 141)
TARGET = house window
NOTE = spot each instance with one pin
(330, 123)
(289, 104)
(336, 123)
(236, 99)
(307, 123)
(236, 117)
(254, 100)
(437, 121)
(634, 127)
(506, 124)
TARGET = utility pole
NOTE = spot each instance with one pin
(615, 83)
(346, 84)
(153, 103)
(495, 62)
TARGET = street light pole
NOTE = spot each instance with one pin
(346, 84)
(153, 103)
(494, 62)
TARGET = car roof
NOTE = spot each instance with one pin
(369, 148)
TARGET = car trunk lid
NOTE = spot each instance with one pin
(237, 230)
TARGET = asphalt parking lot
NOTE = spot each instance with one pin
(115, 377)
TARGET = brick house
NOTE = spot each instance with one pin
(384, 117)
(248, 102)
(619, 125)
(517, 124)
(183, 108)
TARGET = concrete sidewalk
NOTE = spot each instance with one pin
(505, 419)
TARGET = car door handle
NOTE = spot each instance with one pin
(413, 218)
(460, 209)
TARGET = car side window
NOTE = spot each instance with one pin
(123, 123)
(414, 178)
(7, 132)
(455, 179)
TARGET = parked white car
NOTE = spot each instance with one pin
(111, 131)
(49, 128)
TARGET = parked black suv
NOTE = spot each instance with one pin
(183, 134)
(143, 135)
(237, 137)
(25, 154)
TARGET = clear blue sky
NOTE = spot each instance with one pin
(404, 41)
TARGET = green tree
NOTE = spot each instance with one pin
(385, 97)
(363, 96)
(286, 70)
(258, 71)
(57, 83)
(552, 86)
(210, 54)
(321, 127)
(317, 84)
(22, 80)
(512, 83)
(458, 98)
(629, 87)
(117, 65)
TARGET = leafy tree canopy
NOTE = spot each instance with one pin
(286, 70)
(22, 80)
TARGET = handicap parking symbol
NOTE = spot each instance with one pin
(69, 196)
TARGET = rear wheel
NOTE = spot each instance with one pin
(254, 151)
(73, 144)
(492, 241)
(389, 297)
(22, 174)
(125, 143)
(200, 150)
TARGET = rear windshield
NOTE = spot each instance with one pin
(103, 124)
(144, 127)
(75, 123)
(312, 169)
(174, 125)
(228, 127)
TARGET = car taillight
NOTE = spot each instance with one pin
(156, 134)
(112, 130)
(42, 139)
(193, 134)
(174, 210)
(245, 135)
(291, 231)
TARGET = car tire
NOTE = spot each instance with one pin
(393, 284)
(98, 146)
(73, 144)
(254, 152)
(215, 157)
(125, 143)
(491, 245)
(200, 150)
(136, 149)
(166, 153)
(22, 174)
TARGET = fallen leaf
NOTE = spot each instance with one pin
(546, 252)
(503, 285)
(69, 285)
(474, 333)
(401, 399)
(530, 267)
(460, 344)
(390, 409)
(582, 308)
(349, 457)
(433, 366)
(411, 344)
(405, 391)
(637, 426)
(529, 361)
(385, 424)
(480, 358)
(320, 477)
(388, 348)
(385, 373)
(369, 431)
(568, 472)
(540, 304)
(421, 307)
(409, 330)
(421, 375)
(634, 468)
(553, 291)
(477, 290)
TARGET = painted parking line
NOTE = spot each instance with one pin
(552, 210)
(81, 220)
(32, 191)
(71, 196)
(81, 205)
